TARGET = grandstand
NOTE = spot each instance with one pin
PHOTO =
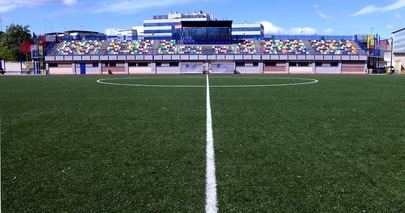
(208, 46)
(282, 56)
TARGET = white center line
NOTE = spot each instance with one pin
(211, 182)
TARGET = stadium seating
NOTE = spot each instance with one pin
(167, 47)
(246, 47)
(145, 47)
(333, 47)
(284, 47)
(139, 47)
(83, 47)
(195, 49)
(226, 49)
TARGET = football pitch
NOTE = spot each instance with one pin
(139, 143)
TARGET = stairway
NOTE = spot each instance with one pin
(259, 46)
(208, 50)
(51, 49)
(358, 49)
(155, 47)
(103, 48)
(309, 47)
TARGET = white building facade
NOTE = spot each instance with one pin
(399, 50)
(166, 27)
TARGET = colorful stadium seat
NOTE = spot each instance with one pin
(246, 47)
(333, 47)
(138, 47)
(145, 47)
(194, 49)
(83, 47)
(284, 47)
(167, 47)
(226, 49)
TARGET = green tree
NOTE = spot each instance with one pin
(11, 40)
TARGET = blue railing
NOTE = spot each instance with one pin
(50, 48)
(308, 37)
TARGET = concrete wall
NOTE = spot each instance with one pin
(399, 63)
(12, 67)
(62, 69)
(120, 68)
(353, 68)
(302, 70)
(141, 70)
(222, 68)
(327, 69)
(166, 69)
(191, 68)
(250, 69)
(216, 67)
(90, 70)
(280, 68)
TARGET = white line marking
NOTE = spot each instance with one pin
(211, 182)
(309, 81)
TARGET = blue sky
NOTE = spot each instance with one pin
(338, 17)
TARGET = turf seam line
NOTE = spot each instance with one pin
(211, 183)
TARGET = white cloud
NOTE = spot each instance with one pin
(111, 31)
(116, 6)
(397, 15)
(270, 28)
(320, 13)
(7, 5)
(303, 30)
(134, 6)
(373, 8)
(69, 2)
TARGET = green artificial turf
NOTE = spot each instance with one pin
(335, 146)
(69, 144)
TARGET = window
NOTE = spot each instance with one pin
(158, 64)
(240, 64)
(270, 64)
(143, 64)
(303, 64)
(95, 64)
(132, 64)
(53, 65)
(318, 64)
(174, 64)
(293, 64)
(334, 64)
(113, 64)
(157, 31)
(255, 64)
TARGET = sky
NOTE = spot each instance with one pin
(322, 17)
